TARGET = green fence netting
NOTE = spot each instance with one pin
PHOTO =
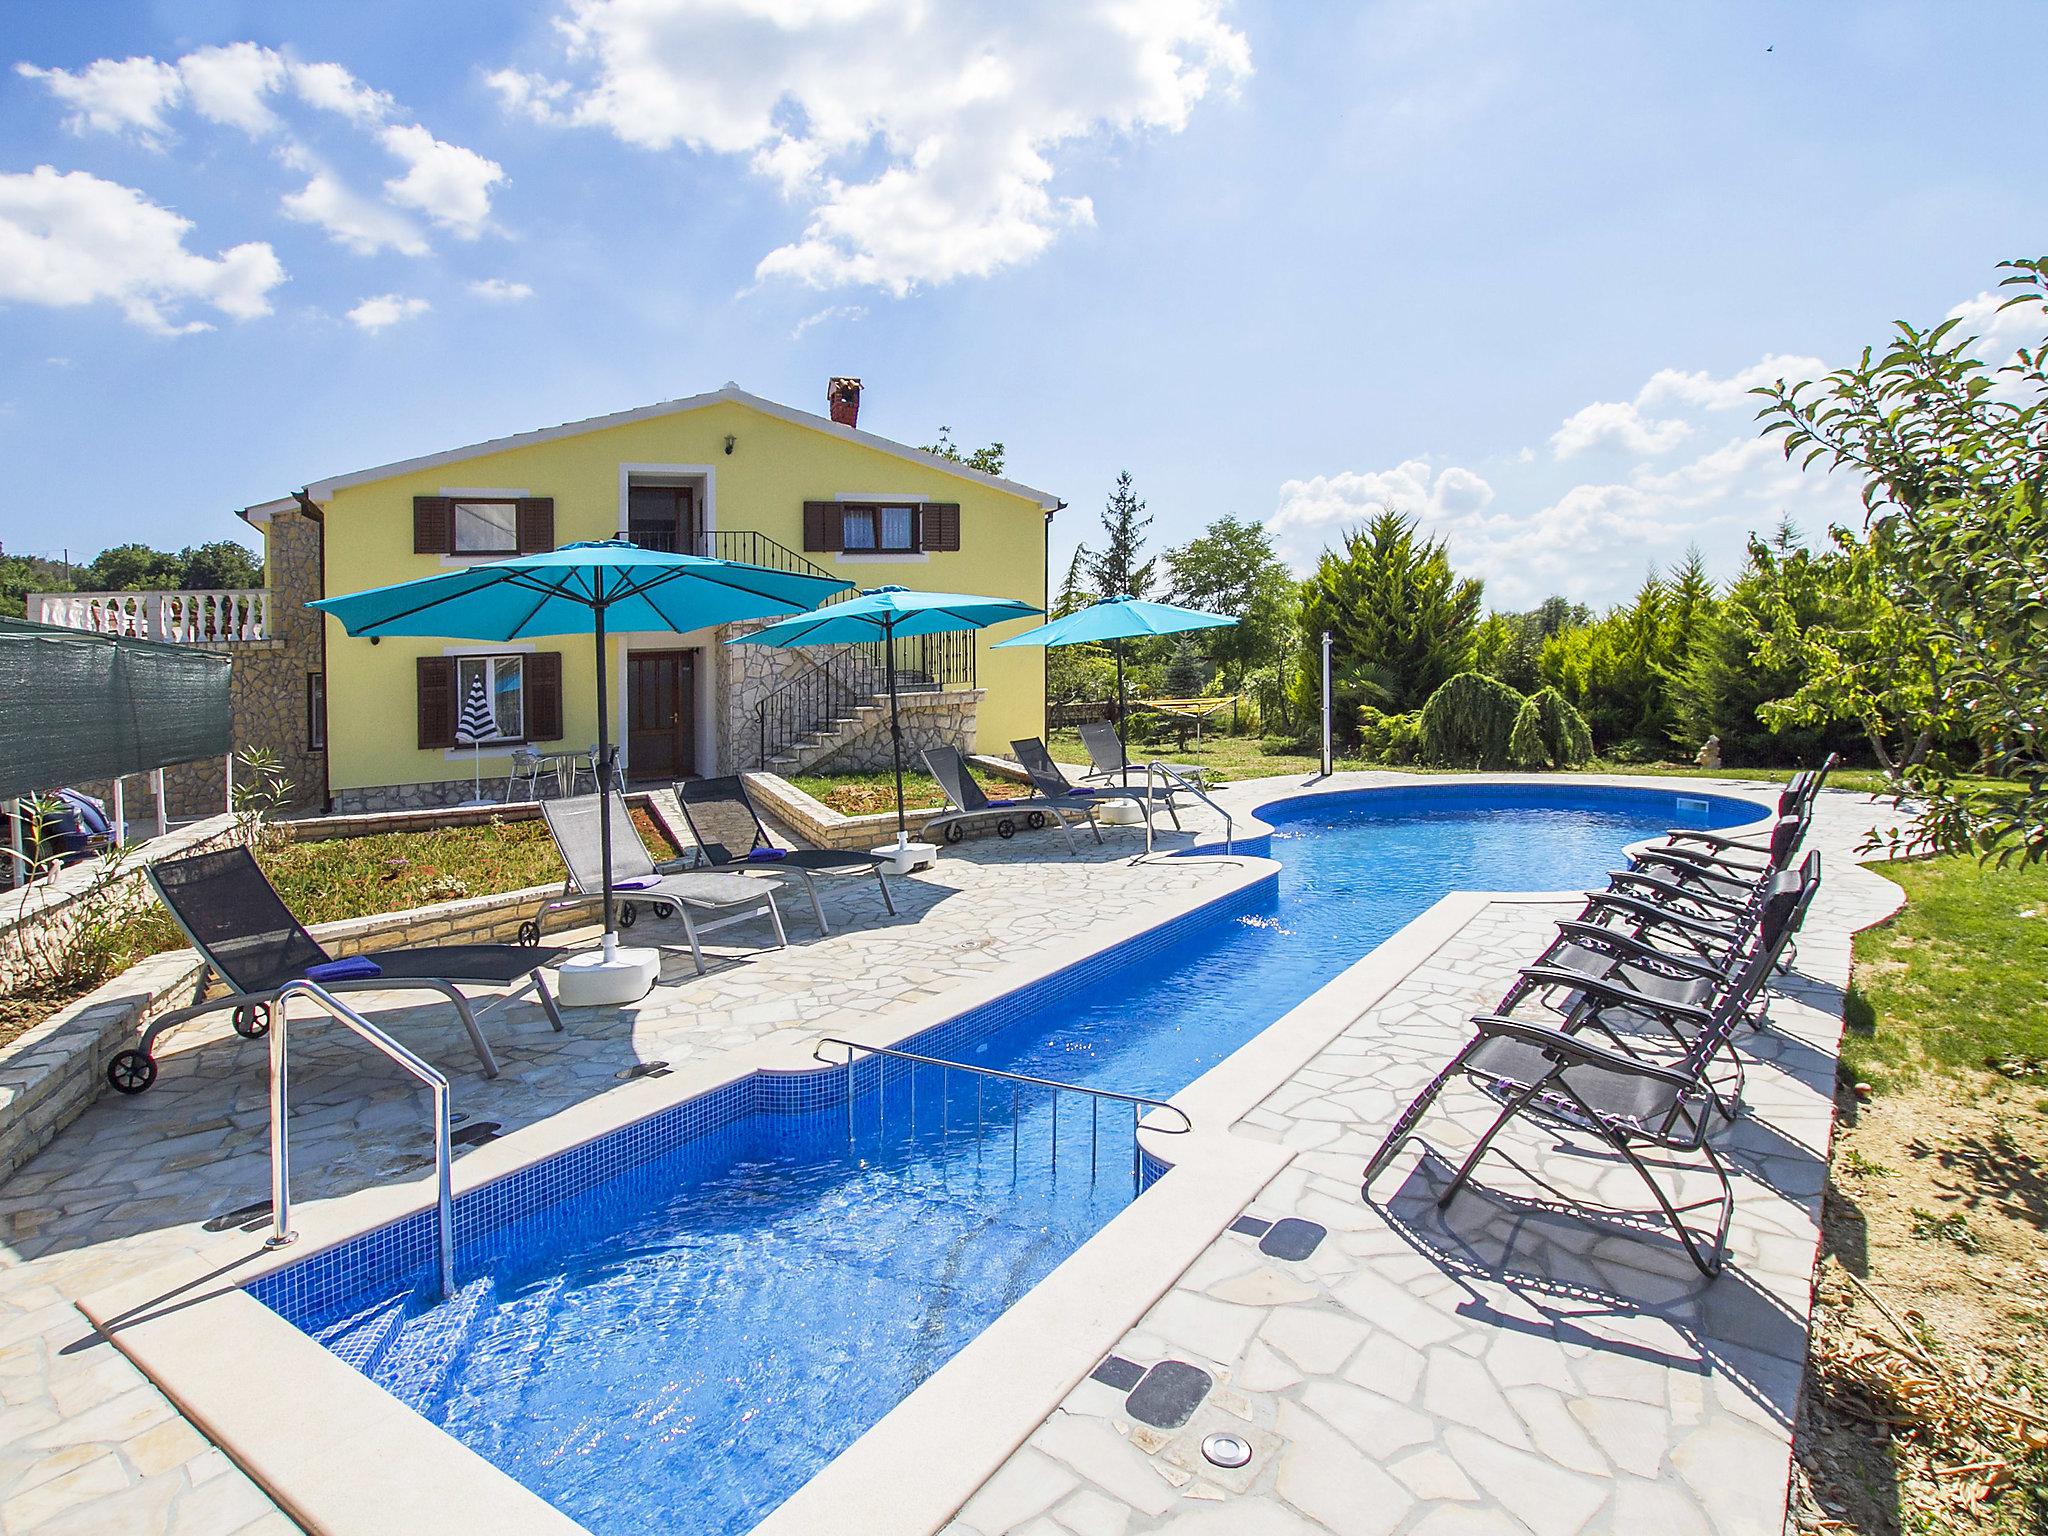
(75, 707)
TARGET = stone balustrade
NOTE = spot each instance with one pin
(226, 617)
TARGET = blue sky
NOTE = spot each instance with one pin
(1506, 265)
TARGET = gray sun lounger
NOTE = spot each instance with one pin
(968, 804)
(724, 820)
(704, 902)
(254, 947)
(1049, 780)
(1106, 753)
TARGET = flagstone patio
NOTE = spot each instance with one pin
(1494, 1368)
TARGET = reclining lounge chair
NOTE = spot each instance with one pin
(721, 813)
(1106, 753)
(704, 902)
(968, 804)
(253, 946)
(1048, 780)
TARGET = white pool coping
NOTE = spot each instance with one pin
(345, 1458)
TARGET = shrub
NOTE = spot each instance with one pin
(1385, 738)
(1549, 733)
(1467, 722)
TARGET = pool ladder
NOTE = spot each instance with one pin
(1182, 781)
(281, 1231)
(1140, 1106)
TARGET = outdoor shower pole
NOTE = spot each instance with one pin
(1329, 763)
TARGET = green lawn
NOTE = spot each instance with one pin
(868, 794)
(1957, 982)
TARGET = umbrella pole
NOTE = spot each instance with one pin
(1121, 750)
(604, 785)
(895, 729)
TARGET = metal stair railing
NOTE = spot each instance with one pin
(281, 1231)
(1183, 782)
(852, 676)
(1140, 1105)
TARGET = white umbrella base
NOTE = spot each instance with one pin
(606, 981)
(1121, 813)
(901, 858)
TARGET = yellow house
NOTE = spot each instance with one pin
(726, 474)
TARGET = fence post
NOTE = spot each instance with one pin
(1329, 762)
(229, 776)
(17, 866)
(156, 788)
(120, 814)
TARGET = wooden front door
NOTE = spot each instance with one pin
(661, 714)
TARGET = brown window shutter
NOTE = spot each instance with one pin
(433, 525)
(942, 525)
(536, 524)
(437, 701)
(824, 526)
(543, 672)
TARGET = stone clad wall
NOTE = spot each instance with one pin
(928, 720)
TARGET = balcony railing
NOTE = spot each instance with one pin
(177, 618)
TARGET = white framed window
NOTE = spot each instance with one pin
(878, 529)
(504, 684)
(486, 527)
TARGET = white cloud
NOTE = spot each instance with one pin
(1315, 513)
(332, 88)
(386, 309)
(228, 85)
(500, 291)
(115, 95)
(449, 184)
(72, 239)
(1999, 331)
(362, 224)
(918, 138)
(1671, 388)
(824, 316)
(1619, 425)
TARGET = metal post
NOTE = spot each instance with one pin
(895, 727)
(1055, 1133)
(1329, 762)
(228, 776)
(280, 1143)
(163, 813)
(120, 813)
(849, 1101)
(17, 866)
(604, 779)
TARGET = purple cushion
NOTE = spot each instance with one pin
(636, 883)
(354, 968)
(768, 855)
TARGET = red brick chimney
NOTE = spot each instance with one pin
(843, 396)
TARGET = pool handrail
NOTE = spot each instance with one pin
(1174, 778)
(280, 1107)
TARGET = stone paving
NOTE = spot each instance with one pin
(1503, 1366)
(88, 1445)
(1495, 1369)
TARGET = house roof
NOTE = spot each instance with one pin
(731, 394)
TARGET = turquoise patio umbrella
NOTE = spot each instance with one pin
(886, 614)
(581, 589)
(1117, 619)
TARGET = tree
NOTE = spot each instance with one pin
(1074, 594)
(1401, 620)
(1549, 733)
(1955, 488)
(1509, 646)
(1117, 571)
(1186, 673)
(988, 460)
(222, 565)
(1232, 569)
(132, 568)
(1470, 721)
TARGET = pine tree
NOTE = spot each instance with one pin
(1074, 593)
(1186, 674)
(1117, 571)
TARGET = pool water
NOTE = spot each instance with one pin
(683, 1346)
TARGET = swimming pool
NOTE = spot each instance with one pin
(681, 1323)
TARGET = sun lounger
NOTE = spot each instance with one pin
(730, 835)
(968, 804)
(1050, 781)
(253, 946)
(1106, 753)
(704, 902)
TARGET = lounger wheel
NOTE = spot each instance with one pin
(1007, 828)
(954, 832)
(529, 933)
(1036, 820)
(130, 1072)
(628, 915)
(251, 1021)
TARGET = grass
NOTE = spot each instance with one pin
(869, 794)
(342, 878)
(1957, 983)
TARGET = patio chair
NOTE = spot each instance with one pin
(1048, 779)
(252, 945)
(705, 903)
(1715, 883)
(1563, 1079)
(1797, 798)
(721, 815)
(968, 804)
(1106, 754)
